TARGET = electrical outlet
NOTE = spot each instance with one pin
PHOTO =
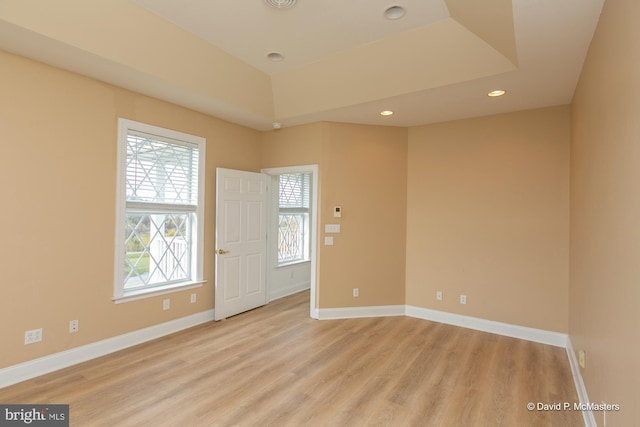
(356, 292)
(439, 295)
(463, 299)
(166, 304)
(73, 326)
(34, 335)
(193, 298)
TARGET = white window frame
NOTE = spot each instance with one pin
(120, 295)
(306, 212)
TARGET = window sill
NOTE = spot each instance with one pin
(160, 290)
(293, 263)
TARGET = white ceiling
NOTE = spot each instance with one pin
(305, 33)
(343, 60)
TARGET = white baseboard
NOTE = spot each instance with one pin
(530, 334)
(356, 312)
(281, 293)
(587, 415)
(33, 368)
(522, 332)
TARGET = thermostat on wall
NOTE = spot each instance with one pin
(337, 212)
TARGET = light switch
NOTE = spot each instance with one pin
(328, 240)
(337, 212)
(332, 228)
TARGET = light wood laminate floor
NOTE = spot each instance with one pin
(274, 366)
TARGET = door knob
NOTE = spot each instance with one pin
(222, 251)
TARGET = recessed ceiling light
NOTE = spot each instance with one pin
(394, 12)
(280, 4)
(275, 56)
(495, 93)
(386, 113)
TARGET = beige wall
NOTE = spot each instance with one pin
(362, 169)
(58, 138)
(295, 146)
(605, 214)
(488, 210)
(150, 51)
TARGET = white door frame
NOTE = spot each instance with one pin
(313, 251)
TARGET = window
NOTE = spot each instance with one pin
(293, 217)
(160, 209)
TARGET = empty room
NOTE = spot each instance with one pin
(322, 213)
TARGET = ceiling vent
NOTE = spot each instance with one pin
(280, 4)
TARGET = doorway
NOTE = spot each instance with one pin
(289, 271)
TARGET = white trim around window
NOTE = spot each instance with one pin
(160, 185)
(294, 222)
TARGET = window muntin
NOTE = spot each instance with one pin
(161, 187)
(158, 248)
(293, 217)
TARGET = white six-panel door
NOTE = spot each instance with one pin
(241, 242)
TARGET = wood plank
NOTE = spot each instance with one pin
(276, 366)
